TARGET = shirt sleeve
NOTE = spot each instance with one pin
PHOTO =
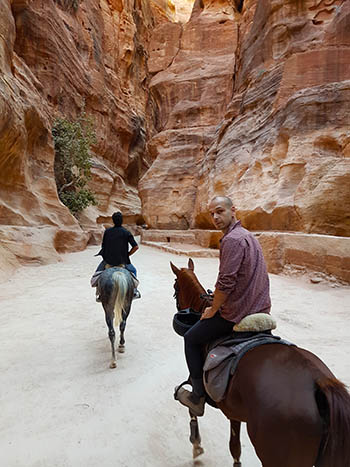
(231, 257)
(103, 245)
(131, 240)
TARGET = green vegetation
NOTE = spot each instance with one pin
(73, 140)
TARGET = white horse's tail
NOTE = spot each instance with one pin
(122, 280)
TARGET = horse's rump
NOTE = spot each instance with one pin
(116, 290)
(277, 377)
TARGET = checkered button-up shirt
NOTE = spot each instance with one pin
(242, 275)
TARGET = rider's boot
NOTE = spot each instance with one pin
(194, 400)
(136, 283)
(98, 298)
(136, 294)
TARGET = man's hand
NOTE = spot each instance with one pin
(219, 299)
(208, 313)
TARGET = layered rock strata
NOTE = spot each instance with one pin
(58, 58)
(193, 66)
(278, 143)
(282, 151)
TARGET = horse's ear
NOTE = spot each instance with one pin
(190, 264)
(174, 269)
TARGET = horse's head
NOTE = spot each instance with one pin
(189, 293)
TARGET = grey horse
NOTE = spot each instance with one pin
(116, 290)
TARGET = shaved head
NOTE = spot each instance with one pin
(222, 212)
(224, 200)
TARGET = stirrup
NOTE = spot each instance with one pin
(188, 381)
(185, 398)
(136, 294)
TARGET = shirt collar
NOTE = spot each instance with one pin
(232, 226)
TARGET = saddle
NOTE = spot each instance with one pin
(224, 355)
(95, 277)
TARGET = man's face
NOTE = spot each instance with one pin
(221, 214)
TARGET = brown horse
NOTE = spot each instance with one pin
(297, 412)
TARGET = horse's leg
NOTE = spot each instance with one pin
(235, 443)
(125, 314)
(121, 347)
(111, 335)
(195, 437)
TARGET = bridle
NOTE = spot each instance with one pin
(176, 294)
(205, 297)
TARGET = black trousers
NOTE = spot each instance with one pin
(201, 333)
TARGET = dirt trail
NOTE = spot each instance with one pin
(61, 406)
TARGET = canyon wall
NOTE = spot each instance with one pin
(193, 67)
(58, 58)
(253, 102)
(249, 98)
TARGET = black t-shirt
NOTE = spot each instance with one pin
(115, 245)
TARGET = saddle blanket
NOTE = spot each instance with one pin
(224, 356)
(96, 276)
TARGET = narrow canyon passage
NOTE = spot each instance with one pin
(63, 407)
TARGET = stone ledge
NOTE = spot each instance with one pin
(325, 254)
(184, 249)
(204, 238)
(37, 245)
(319, 253)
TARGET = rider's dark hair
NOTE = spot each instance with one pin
(117, 218)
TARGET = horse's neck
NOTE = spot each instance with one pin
(193, 292)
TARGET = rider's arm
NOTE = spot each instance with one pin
(133, 249)
(232, 255)
(219, 299)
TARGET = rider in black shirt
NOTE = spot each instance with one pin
(115, 247)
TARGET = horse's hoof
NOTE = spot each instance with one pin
(113, 365)
(197, 451)
(121, 349)
(237, 464)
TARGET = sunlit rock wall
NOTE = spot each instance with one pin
(283, 149)
(183, 10)
(55, 61)
(193, 66)
(253, 102)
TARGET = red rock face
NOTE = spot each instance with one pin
(192, 86)
(279, 143)
(249, 99)
(54, 62)
(282, 151)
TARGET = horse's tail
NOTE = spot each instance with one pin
(123, 284)
(333, 401)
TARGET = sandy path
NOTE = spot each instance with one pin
(62, 406)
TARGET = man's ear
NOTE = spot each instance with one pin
(233, 210)
(190, 264)
(175, 270)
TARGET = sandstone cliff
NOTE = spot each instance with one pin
(249, 98)
(282, 151)
(57, 57)
(253, 102)
(193, 66)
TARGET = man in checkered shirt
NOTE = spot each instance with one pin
(242, 288)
